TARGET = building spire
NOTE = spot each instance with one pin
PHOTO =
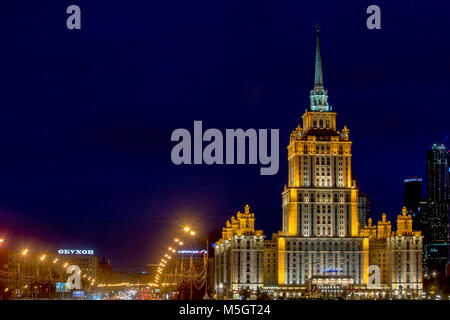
(319, 96)
(318, 79)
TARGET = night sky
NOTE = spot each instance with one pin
(86, 116)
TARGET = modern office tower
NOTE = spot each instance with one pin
(238, 256)
(412, 192)
(363, 209)
(435, 215)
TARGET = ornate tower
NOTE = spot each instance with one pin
(321, 199)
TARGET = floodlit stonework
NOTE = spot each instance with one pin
(322, 250)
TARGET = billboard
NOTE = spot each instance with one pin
(78, 294)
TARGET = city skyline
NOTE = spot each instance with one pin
(95, 149)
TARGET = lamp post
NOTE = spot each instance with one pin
(18, 285)
(206, 260)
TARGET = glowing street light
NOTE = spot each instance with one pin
(55, 261)
(24, 252)
(176, 240)
(186, 229)
(1, 241)
(43, 257)
(192, 233)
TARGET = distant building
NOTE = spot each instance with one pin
(435, 213)
(106, 272)
(152, 270)
(363, 209)
(85, 259)
(9, 279)
(239, 256)
(412, 191)
(27, 275)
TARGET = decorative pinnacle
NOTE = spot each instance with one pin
(318, 78)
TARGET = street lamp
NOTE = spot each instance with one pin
(192, 233)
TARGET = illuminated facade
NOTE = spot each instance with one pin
(270, 262)
(325, 247)
(239, 256)
(398, 254)
(435, 213)
(86, 260)
(320, 204)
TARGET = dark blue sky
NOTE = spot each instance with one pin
(86, 116)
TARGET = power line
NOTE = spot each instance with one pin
(130, 220)
(77, 223)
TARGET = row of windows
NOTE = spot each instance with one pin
(320, 197)
(323, 245)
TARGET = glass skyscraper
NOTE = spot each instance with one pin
(435, 215)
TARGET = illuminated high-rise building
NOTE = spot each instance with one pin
(327, 244)
(436, 213)
(320, 240)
